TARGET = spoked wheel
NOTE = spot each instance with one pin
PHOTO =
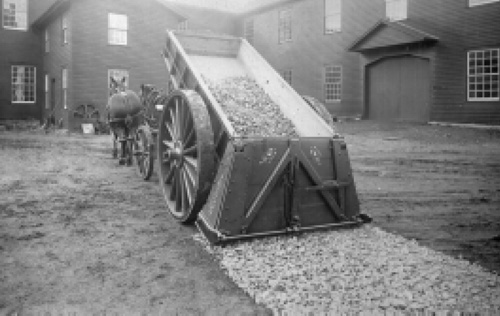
(185, 154)
(144, 152)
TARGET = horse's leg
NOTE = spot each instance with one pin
(115, 146)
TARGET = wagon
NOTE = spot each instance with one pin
(234, 186)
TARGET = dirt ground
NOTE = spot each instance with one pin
(78, 232)
(438, 185)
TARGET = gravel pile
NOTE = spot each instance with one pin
(361, 270)
(249, 109)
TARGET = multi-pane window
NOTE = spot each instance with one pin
(333, 83)
(333, 16)
(285, 26)
(118, 80)
(64, 84)
(117, 29)
(480, 2)
(483, 75)
(65, 32)
(287, 75)
(23, 84)
(15, 14)
(182, 26)
(249, 30)
(396, 10)
(47, 40)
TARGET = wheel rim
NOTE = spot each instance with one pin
(185, 154)
(142, 153)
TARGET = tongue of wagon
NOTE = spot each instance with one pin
(272, 186)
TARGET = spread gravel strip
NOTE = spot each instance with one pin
(358, 270)
(249, 109)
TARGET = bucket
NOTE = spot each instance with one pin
(88, 128)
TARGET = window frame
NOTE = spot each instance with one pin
(8, 27)
(333, 14)
(249, 30)
(64, 87)
(482, 75)
(182, 26)
(12, 85)
(46, 91)
(64, 29)
(285, 25)
(393, 17)
(47, 41)
(287, 75)
(335, 87)
(112, 40)
(480, 2)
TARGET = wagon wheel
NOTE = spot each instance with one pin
(185, 154)
(144, 152)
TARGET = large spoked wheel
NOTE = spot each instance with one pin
(185, 154)
(144, 152)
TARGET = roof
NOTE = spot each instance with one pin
(56, 9)
(387, 34)
(62, 5)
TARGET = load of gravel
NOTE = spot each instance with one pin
(250, 110)
(364, 270)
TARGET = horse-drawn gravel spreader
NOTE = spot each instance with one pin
(240, 152)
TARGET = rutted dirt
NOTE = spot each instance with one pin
(78, 232)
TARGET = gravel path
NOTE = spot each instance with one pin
(249, 109)
(360, 270)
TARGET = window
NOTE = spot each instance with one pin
(285, 26)
(117, 80)
(15, 14)
(333, 83)
(483, 75)
(287, 75)
(183, 25)
(473, 3)
(47, 41)
(46, 91)
(64, 26)
(117, 29)
(332, 16)
(248, 30)
(64, 85)
(23, 84)
(396, 10)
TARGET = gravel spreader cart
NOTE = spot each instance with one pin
(221, 167)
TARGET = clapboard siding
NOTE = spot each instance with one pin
(310, 49)
(458, 27)
(21, 48)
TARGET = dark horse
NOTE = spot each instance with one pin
(124, 109)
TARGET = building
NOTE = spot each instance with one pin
(21, 94)
(85, 49)
(416, 60)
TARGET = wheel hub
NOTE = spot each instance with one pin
(175, 154)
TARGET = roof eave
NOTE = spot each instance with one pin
(56, 9)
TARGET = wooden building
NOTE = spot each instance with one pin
(87, 47)
(416, 60)
(21, 94)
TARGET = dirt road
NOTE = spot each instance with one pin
(438, 185)
(80, 232)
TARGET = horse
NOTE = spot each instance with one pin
(124, 108)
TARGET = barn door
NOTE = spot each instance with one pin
(398, 89)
